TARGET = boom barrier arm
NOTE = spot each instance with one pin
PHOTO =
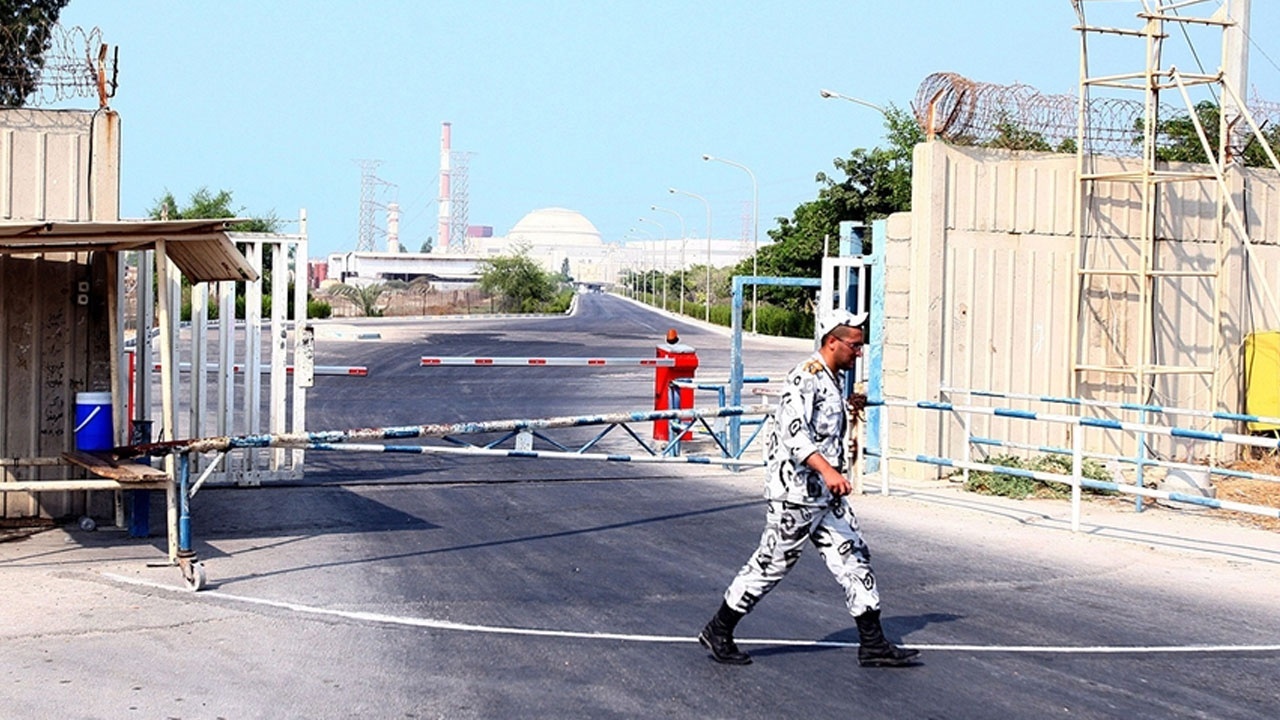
(302, 440)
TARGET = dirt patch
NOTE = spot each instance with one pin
(1252, 492)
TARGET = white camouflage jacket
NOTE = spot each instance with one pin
(811, 418)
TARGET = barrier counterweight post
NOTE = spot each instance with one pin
(681, 363)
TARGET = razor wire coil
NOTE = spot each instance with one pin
(1020, 117)
(75, 63)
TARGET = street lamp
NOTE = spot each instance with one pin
(831, 94)
(664, 258)
(755, 232)
(643, 241)
(674, 191)
(683, 239)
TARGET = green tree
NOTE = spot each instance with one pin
(1177, 139)
(25, 27)
(564, 271)
(427, 245)
(205, 205)
(1012, 136)
(518, 281)
(876, 183)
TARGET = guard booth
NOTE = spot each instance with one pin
(72, 275)
(61, 318)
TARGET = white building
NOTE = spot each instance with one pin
(555, 234)
(550, 236)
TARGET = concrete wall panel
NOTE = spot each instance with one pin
(991, 268)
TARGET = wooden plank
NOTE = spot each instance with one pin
(79, 486)
(30, 462)
(108, 467)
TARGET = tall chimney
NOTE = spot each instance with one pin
(393, 227)
(446, 207)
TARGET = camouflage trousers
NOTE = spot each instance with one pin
(832, 529)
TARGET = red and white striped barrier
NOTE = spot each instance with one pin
(546, 362)
(350, 370)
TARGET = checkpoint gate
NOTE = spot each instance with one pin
(844, 285)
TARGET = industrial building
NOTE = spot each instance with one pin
(550, 236)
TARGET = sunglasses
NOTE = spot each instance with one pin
(854, 346)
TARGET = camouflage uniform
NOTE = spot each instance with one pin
(811, 418)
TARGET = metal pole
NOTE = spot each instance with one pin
(683, 239)
(859, 101)
(647, 281)
(707, 317)
(755, 232)
(664, 259)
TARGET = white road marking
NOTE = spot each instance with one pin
(364, 616)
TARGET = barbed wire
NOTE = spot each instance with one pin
(1020, 117)
(76, 64)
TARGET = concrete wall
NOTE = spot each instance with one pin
(59, 165)
(981, 276)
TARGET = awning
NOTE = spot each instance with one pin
(200, 248)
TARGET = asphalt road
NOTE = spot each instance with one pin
(425, 587)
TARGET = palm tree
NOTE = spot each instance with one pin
(364, 297)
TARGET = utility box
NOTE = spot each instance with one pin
(1262, 378)
(686, 364)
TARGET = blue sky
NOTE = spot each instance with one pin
(594, 106)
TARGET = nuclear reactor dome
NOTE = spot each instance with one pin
(555, 226)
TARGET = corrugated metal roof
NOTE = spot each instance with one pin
(200, 248)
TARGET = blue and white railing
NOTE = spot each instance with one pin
(719, 432)
(1076, 479)
(1142, 460)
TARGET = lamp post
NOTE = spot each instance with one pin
(664, 257)
(674, 191)
(832, 94)
(829, 94)
(644, 240)
(683, 239)
(755, 229)
(633, 270)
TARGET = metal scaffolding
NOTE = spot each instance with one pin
(1105, 272)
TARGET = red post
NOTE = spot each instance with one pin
(686, 364)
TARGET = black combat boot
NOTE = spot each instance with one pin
(874, 650)
(717, 637)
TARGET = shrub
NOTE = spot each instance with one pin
(1014, 486)
(773, 320)
(560, 302)
(319, 309)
